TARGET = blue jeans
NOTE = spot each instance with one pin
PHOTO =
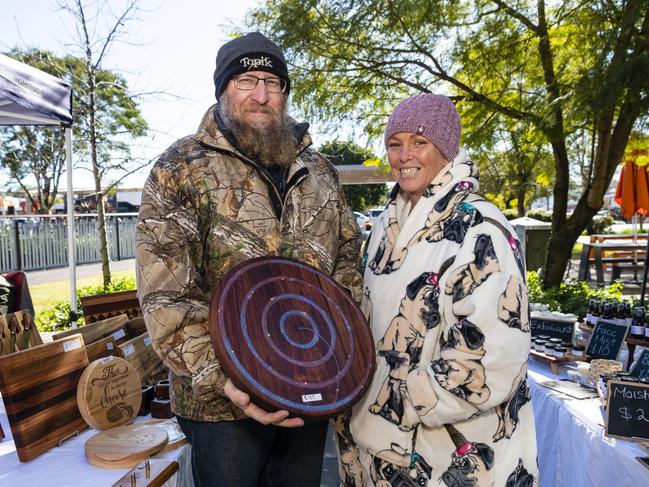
(246, 453)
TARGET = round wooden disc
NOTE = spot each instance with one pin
(109, 393)
(291, 337)
(176, 436)
(126, 446)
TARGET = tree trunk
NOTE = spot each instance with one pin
(99, 195)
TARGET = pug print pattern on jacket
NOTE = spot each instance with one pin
(444, 291)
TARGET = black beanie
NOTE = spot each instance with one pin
(251, 52)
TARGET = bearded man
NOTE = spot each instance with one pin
(245, 185)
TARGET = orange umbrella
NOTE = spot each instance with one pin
(632, 192)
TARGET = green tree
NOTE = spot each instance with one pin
(359, 197)
(40, 152)
(556, 67)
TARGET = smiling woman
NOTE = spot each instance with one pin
(444, 292)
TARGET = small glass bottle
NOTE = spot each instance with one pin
(638, 324)
(621, 313)
(628, 314)
(607, 312)
(589, 312)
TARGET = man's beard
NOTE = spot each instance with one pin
(273, 145)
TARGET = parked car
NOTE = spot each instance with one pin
(373, 214)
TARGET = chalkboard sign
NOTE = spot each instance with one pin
(627, 410)
(554, 329)
(641, 367)
(607, 340)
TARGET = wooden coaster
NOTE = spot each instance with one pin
(176, 436)
(126, 446)
(291, 337)
(109, 393)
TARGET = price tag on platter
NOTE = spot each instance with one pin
(607, 340)
(291, 337)
(627, 410)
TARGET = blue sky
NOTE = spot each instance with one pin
(172, 49)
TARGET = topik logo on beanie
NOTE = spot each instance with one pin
(250, 52)
(431, 116)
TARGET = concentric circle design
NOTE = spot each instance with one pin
(291, 337)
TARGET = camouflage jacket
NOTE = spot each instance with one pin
(205, 208)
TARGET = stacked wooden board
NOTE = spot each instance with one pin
(101, 329)
(39, 387)
(139, 352)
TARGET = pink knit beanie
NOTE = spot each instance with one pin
(431, 116)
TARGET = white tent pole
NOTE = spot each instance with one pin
(72, 261)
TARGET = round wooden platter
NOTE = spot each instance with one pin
(175, 434)
(125, 446)
(109, 393)
(291, 337)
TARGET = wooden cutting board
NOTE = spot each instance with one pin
(95, 331)
(176, 436)
(101, 348)
(109, 393)
(39, 388)
(291, 337)
(139, 352)
(126, 446)
(18, 332)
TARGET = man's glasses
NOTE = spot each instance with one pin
(248, 82)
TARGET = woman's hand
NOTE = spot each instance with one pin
(241, 399)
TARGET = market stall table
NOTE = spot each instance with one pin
(67, 465)
(572, 447)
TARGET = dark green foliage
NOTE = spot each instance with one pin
(542, 215)
(57, 316)
(359, 197)
(570, 297)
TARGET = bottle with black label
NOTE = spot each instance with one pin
(607, 311)
(589, 312)
(628, 314)
(638, 324)
(620, 315)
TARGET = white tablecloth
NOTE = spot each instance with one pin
(66, 465)
(572, 448)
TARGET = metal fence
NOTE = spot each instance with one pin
(32, 242)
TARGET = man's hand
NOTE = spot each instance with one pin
(241, 399)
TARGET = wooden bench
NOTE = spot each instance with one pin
(102, 306)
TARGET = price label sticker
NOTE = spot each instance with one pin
(72, 345)
(128, 349)
(119, 334)
(109, 346)
(147, 341)
(311, 397)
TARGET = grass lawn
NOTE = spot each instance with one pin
(45, 295)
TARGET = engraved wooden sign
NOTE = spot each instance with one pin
(109, 393)
(291, 337)
(126, 446)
